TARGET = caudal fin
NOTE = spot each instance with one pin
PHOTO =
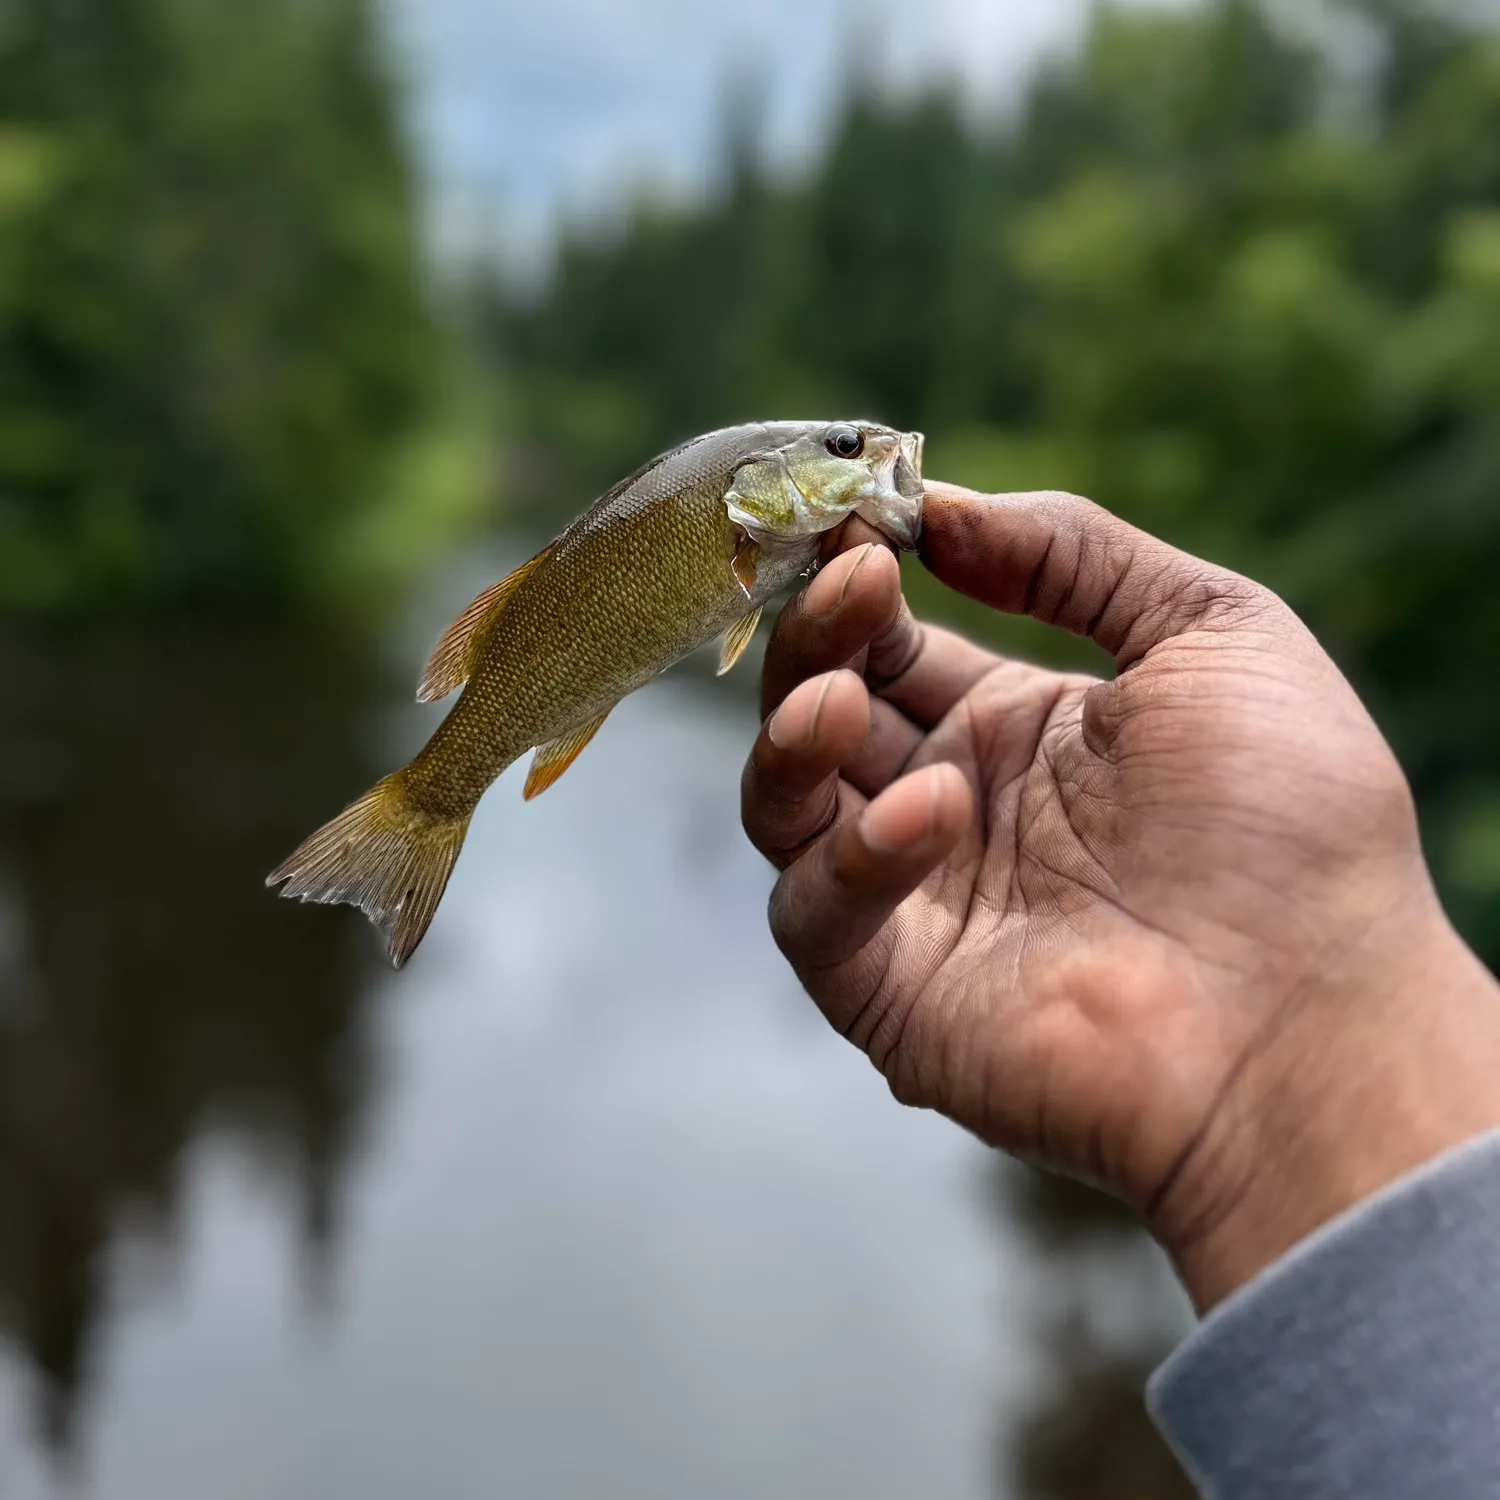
(383, 855)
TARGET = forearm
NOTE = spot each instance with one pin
(1351, 1255)
(1393, 1062)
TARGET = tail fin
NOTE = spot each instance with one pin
(383, 855)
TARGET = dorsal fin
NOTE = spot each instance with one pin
(553, 758)
(454, 658)
(736, 638)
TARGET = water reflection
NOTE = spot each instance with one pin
(148, 990)
(1110, 1312)
(614, 1211)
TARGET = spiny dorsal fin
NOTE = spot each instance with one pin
(736, 638)
(553, 758)
(453, 660)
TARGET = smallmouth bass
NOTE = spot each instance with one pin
(690, 547)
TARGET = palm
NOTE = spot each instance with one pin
(1133, 845)
(1021, 934)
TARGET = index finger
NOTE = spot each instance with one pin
(853, 614)
(852, 533)
(790, 792)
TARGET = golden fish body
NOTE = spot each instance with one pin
(689, 548)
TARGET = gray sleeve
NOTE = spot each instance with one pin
(1365, 1363)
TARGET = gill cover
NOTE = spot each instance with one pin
(764, 499)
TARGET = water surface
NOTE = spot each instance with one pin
(587, 1201)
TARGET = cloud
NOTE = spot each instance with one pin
(536, 108)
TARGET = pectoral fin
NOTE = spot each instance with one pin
(745, 563)
(453, 661)
(553, 758)
(736, 638)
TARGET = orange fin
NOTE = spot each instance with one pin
(553, 758)
(384, 855)
(453, 661)
(746, 562)
(736, 638)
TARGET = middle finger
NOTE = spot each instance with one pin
(853, 614)
(832, 621)
(791, 792)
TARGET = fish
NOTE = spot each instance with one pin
(689, 548)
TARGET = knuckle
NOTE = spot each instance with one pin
(898, 1064)
(1175, 599)
(1106, 709)
(1065, 503)
(784, 649)
(1069, 516)
(782, 915)
(901, 1079)
(1214, 596)
(753, 801)
(785, 832)
(895, 652)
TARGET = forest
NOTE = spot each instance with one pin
(1239, 284)
(1237, 281)
(222, 377)
(1231, 270)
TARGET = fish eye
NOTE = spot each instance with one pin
(845, 442)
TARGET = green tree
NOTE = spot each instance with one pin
(1204, 276)
(212, 326)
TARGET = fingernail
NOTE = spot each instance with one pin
(900, 817)
(821, 598)
(794, 725)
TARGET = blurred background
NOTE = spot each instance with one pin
(315, 315)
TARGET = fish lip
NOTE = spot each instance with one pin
(908, 468)
(895, 507)
(903, 529)
(903, 520)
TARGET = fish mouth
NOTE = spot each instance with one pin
(908, 476)
(896, 506)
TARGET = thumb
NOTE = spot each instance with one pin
(1066, 561)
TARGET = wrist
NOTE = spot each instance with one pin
(1361, 1078)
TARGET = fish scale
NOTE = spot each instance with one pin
(689, 547)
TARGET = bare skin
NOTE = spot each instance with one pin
(1171, 933)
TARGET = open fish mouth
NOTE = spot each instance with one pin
(908, 475)
(896, 506)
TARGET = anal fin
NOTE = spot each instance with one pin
(553, 758)
(736, 638)
(453, 660)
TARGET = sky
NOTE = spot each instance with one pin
(528, 110)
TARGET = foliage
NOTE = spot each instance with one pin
(213, 337)
(1240, 293)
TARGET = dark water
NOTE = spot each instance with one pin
(586, 1202)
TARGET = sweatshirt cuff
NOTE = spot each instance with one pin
(1363, 1363)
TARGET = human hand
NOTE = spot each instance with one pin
(1171, 933)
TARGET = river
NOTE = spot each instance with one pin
(586, 1202)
